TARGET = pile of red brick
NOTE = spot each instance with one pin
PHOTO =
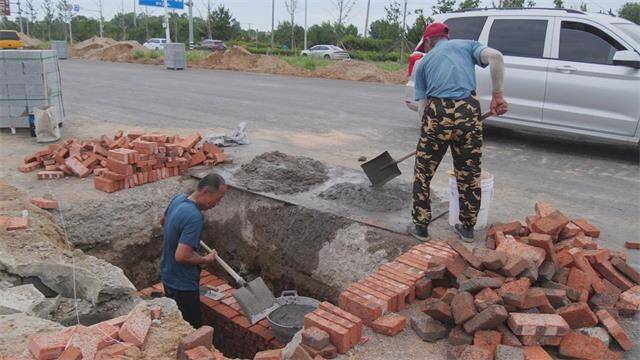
(535, 283)
(123, 161)
(234, 334)
(105, 340)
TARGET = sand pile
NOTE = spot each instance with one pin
(29, 42)
(120, 51)
(82, 48)
(392, 197)
(279, 173)
(240, 59)
(360, 71)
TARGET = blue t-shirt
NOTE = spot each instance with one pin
(183, 223)
(448, 70)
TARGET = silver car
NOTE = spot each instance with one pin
(568, 73)
(327, 52)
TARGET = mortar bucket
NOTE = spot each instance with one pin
(288, 318)
(486, 184)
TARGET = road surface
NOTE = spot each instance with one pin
(338, 121)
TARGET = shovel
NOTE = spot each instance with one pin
(383, 167)
(254, 297)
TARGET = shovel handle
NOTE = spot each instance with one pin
(225, 266)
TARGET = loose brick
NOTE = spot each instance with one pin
(504, 352)
(487, 319)
(71, 353)
(199, 353)
(616, 278)
(188, 142)
(389, 324)
(537, 324)
(488, 340)
(579, 280)
(632, 296)
(43, 203)
(515, 266)
(535, 297)
(50, 175)
(201, 337)
(16, 223)
(463, 307)
(550, 224)
(353, 333)
(584, 242)
(626, 269)
(514, 249)
(468, 352)
(588, 228)
(486, 298)
(77, 167)
(581, 262)
(625, 309)
(543, 209)
(457, 336)
(113, 351)
(606, 298)
(328, 352)
(427, 328)
(50, 345)
(512, 228)
(508, 337)
(125, 156)
(540, 340)
(563, 258)
(616, 331)
(514, 293)
(423, 288)
(106, 185)
(339, 335)
(535, 353)
(438, 310)
(491, 259)
(275, 354)
(448, 295)
(29, 167)
(581, 346)
(135, 328)
(315, 338)
(632, 245)
(545, 242)
(461, 249)
(578, 315)
(476, 284)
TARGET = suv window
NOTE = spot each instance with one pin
(515, 37)
(8, 35)
(585, 43)
(467, 28)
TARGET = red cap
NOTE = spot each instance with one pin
(436, 29)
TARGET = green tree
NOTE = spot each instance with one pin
(282, 34)
(443, 6)
(559, 4)
(631, 12)
(468, 4)
(531, 3)
(513, 3)
(416, 31)
(223, 25)
(583, 7)
(388, 28)
(49, 15)
(322, 34)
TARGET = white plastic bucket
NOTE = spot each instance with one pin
(486, 184)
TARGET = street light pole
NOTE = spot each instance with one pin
(135, 13)
(273, 15)
(404, 24)
(305, 24)
(366, 19)
(190, 5)
(167, 33)
(101, 19)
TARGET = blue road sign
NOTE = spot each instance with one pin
(171, 4)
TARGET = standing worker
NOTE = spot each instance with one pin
(445, 77)
(182, 229)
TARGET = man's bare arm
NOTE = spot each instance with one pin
(187, 256)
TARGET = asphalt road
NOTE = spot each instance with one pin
(337, 121)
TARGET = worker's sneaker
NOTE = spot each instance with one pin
(419, 232)
(465, 233)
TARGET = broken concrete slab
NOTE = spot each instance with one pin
(23, 298)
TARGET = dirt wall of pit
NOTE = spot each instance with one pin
(292, 247)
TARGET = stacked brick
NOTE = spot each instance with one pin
(106, 340)
(124, 161)
(234, 335)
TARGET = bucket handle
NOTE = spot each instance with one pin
(289, 293)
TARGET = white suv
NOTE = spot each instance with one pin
(155, 44)
(567, 72)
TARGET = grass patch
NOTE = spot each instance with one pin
(195, 55)
(141, 54)
(391, 66)
(306, 62)
(45, 45)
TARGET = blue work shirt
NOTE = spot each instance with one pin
(448, 70)
(183, 223)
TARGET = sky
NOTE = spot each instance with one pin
(257, 13)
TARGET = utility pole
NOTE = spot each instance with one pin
(273, 15)
(190, 5)
(101, 19)
(404, 24)
(20, 16)
(305, 24)
(135, 13)
(366, 19)
(167, 32)
(70, 28)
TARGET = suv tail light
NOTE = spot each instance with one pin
(412, 61)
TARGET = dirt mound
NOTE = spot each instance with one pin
(279, 173)
(29, 42)
(82, 48)
(359, 71)
(392, 197)
(120, 51)
(240, 59)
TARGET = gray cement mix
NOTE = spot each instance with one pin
(290, 314)
(391, 197)
(279, 173)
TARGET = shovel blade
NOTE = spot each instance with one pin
(255, 300)
(381, 169)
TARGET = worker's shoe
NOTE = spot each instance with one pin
(419, 232)
(465, 233)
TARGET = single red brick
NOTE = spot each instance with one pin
(383, 304)
(50, 345)
(275, 354)
(461, 249)
(616, 331)
(488, 318)
(563, 258)
(438, 310)
(188, 142)
(43, 203)
(463, 307)
(315, 337)
(569, 231)
(578, 315)
(29, 167)
(488, 340)
(514, 293)
(581, 262)
(329, 307)
(390, 324)
(544, 242)
(17, 223)
(535, 297)
(632, 245)
(199, 353)
(353, 334)
(540, 340)
(581, 346)
(550, 224)
(587, 228)
(627, 270)
(265, 333)
(535, 353)
(486, 298)
(543, 209)
(71, 353)
(610, 273)
(537, 324)
(201, 337)
(50, 175)
(135, 328)
(339, 335)
(328, 352)
(76, 166)
(113, 351)
(242, 321)
(578, 280)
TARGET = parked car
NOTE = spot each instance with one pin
(9, 39)
(212, 45)
(327, 52)
(568, 72)
(155, 44)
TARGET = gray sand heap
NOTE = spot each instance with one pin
(391, 197)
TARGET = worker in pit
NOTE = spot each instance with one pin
(445, 77)
(182, 229)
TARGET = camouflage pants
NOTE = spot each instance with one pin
(456, 123)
